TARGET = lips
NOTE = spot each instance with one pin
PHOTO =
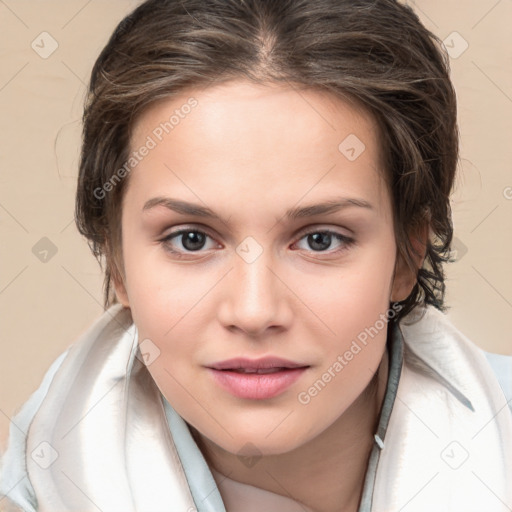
(256, 379)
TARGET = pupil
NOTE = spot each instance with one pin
(319, 241)
(193, 240)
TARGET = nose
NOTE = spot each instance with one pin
(255, 297)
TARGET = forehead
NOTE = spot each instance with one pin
(238, 107)
(261, 137)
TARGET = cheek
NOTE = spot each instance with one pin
(354, 318)
(354, 308)
(358, 293)
(171, 305)
(157, 289)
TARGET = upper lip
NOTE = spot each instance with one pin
(264, 362)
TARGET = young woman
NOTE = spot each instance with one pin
(268, 183)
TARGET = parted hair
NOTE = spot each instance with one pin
(375, 52)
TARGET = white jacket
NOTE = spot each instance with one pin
(98, 434)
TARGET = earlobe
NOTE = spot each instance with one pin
(120, 288)
(404, 280)
(115, 272)
(405, 277)
(121, 295)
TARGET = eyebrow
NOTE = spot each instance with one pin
(197, 210)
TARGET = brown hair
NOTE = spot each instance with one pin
(375, 51)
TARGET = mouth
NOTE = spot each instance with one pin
(270, 363)
(256, 383)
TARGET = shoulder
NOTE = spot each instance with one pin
(15, 486)
(502, 368)
(431, 337)
(449, 409)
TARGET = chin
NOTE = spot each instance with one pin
(253, 443)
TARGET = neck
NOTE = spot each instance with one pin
(327, 473)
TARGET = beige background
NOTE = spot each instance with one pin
(44, 305)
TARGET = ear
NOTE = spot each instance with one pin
(405, 277)
(121, 293)
(115, 270)
(118, 282)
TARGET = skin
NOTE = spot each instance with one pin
(250, 152)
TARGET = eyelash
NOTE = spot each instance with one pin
(347, 241)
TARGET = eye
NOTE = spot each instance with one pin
(321, 241)
(188, 240)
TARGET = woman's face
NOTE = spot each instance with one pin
(228, 253)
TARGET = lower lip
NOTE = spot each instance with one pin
(256, 386)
